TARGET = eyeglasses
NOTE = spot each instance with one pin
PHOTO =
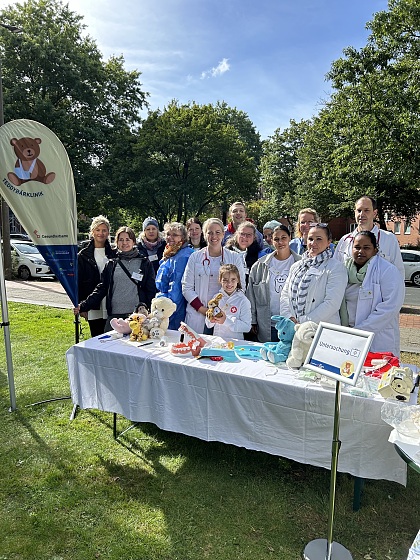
(247, 235)
(170, 234)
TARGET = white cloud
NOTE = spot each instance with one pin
(218, 70)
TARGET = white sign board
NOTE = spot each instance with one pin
(338, 352)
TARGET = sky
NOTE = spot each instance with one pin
(267, 58)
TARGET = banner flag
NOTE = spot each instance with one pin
(36, 180)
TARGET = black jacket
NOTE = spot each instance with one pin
(88, 271)
(146, 288)
(159, 252)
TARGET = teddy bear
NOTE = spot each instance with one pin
(135, 321)
(157, 322)
(28, 166)
(275, 352)
(304, 335)
(142, 308)
(213, 307)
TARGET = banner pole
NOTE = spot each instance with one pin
(6, 331)
(77, 339)
(326, 549)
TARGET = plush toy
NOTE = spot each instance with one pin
(213, 307)
(136, 321)
(275, 352)
(304, 335)
(121, 325)
(157, 322)
(142, 308)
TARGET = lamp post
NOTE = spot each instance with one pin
(7, 258)
(4, 206)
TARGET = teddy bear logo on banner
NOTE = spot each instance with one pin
(28, 166)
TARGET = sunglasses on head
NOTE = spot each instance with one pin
(318, 224)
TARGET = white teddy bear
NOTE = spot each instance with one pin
(302, 341)
(157, 321)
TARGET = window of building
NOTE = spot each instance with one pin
(407, 228)
(397, 227)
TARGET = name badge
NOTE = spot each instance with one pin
(153, 257)
(365, 293)
(314, 271)
(137, 276)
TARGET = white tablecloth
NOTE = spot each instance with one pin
(236, 403)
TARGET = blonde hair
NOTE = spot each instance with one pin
(230, 269)
(97, 221)
(305, 211)
(142, 235)
(211, 221)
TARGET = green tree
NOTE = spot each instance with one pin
(55, 75)
(278, 170)
(190, 158)
(367, 138)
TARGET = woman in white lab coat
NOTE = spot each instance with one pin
(374, 294)
(201, 277)
(315, 286)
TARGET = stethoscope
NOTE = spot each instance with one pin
(206, 262)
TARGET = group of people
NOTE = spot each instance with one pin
(360, 283)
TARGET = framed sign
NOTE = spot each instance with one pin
(338, 352)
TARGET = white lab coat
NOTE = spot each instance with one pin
(195, 283)
(374, 306)
(237, 309)
(258, 293)
(387, 245)
(325, 292)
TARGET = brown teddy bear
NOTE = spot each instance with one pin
(28, 167)
(213, 307)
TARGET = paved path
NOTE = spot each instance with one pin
(44, 291)
(410, 331)
(51, 293)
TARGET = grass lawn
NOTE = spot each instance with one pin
(69, 491)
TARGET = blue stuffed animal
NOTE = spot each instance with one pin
(276, 352)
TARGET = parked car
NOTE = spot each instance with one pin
(411, 260)
(27, 261)
(21, 236)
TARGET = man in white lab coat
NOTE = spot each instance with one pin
(365, 212)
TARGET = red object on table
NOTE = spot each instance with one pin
(389, 356)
